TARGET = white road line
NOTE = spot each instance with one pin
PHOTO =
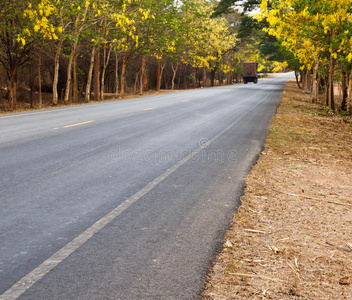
(26, 282)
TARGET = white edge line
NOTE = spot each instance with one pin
(31, 278)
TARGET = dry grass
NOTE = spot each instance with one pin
(292, 236)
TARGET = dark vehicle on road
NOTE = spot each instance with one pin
(250, 74)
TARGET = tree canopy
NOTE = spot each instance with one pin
(321, 37)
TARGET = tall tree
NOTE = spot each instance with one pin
(14, 50)
(43, 29)
(320, 35)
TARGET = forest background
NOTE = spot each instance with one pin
(57, 52)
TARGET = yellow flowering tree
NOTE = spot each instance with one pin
(14, 51)
(41, 28)
(61, 20)
(317, 32)
(206, 39)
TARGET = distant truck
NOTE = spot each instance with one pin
(250, 74)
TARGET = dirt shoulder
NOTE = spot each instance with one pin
(24, 102)
(292, 236)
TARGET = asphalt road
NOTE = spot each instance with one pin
(126, 199)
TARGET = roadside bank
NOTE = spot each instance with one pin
(292, 236)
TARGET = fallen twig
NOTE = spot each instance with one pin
(255, 275)
(312, 198)
(294, 270)
(255, 231)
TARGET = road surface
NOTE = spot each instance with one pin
(126, 199)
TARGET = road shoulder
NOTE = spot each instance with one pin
(292, 237)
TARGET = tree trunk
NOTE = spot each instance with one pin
(307, 84)
(122, 88)
(194, 77)
(31, 96)
(158, 76)
(145, 78)
(75, 83)
(71, 89)
(185, 77)
(331, 100)
(327, 90)
(13, 91)
(1, 95)
(212, 77)
(174, 69)
(12, 83)
(350, 96)
(315, 83)
(77, 33)
(96, 76)
(142, 77)
(83, 85)
(229, 78)
(106, 62)
(322, 84)
(221, 78)
(165, 79)
(69, 74)
(56, 73)
(344, 90)
(31, 81)
(297, 81)
(116, 74)
(40, 74)
(304, 80)
(136, 81)
(161, 74)
(90, 76)
(204, 77)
